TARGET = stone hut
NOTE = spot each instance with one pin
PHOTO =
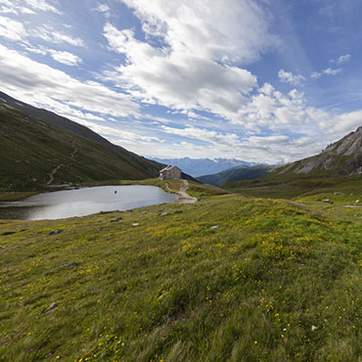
(170, 172)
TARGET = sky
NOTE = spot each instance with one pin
(267, 81)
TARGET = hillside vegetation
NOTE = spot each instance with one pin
(235, 174)
(226, 279)
(292, 186)
(35, 152)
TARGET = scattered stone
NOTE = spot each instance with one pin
(117, 219)
(164, 213)
(71, 265)
(55, 232)
(135, 224)
(214, 227)
(50, 308)
(314, 328)
(327, 201)
(357, 201)
(53, 306)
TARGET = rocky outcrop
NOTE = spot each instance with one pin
(341, 158)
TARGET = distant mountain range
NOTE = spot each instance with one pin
(40, 148)
(204, 166)
(343, 158)
(236, 174)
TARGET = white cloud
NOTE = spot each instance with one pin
(20, 31)
(47, 87)
(12, 29)
(42, 5)
(206, 135)
(103, 8)
(287, 77)
(65, 57)
(198, 66)
(343, 59)
(332, 72)
(51, 35)
(28, 6)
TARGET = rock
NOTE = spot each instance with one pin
(52, 306)
(55, 232)
(164, 213)
(357, 202)
(327, 201)
(135, 224)
(117, 219)
(214, 227)
(314, 328)
(71, 265)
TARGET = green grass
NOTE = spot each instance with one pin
(275, 281)
(14, 196)
(296, 186)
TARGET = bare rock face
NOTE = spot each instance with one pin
(341, 158)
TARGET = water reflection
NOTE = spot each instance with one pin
(82, 202)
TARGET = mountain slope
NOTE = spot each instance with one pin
(204, 166)
(342, 158)
(235, 174)
(39, 148)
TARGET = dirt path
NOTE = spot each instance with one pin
(74, 153)
(182, 196)
(53, 173)
(56, 169)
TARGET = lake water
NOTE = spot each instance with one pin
(85, 201)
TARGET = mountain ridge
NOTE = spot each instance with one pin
(198, 167)
(39, 148)
(343, 158)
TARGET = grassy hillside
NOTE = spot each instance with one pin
(235, 174)
(292, 186)
(34, 153)
(227, 279)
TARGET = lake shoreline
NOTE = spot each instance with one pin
(84, 201)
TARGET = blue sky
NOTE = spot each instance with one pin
(267, 81)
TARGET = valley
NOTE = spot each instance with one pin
(266, 264)
(228, 277)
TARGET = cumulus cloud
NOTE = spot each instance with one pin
(197, 65)
(103, 9)
(23, 78)
(288, 77)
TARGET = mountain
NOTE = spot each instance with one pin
(343, 158)
(204, 166)
(38, 148)
(235, 174)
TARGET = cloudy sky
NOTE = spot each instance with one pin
(258, 80)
